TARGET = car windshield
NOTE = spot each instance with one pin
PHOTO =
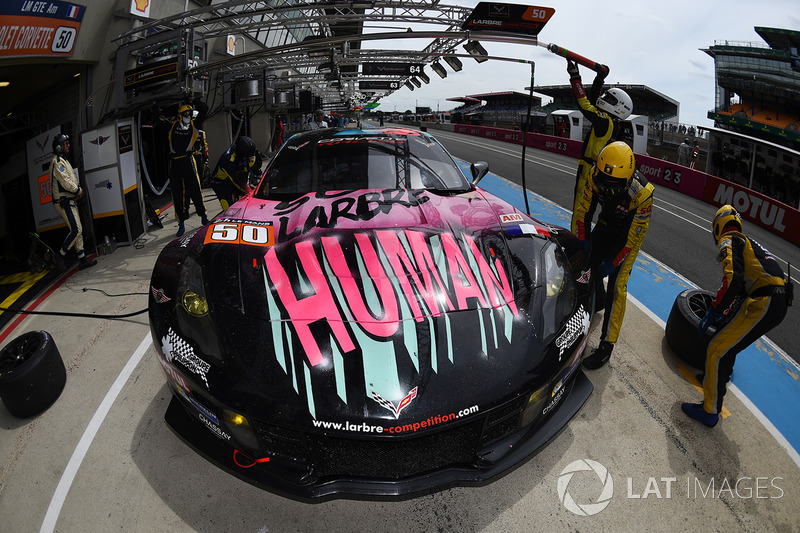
(348, 161)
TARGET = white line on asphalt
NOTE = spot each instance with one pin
(49, 523)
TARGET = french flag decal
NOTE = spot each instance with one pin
(72, 12)
(512, 230)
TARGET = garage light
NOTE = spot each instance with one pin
(439, 69)
(477, 51)
(424, 77)
(416, 82)
(5, 83)
(409, 85)
(454, 62)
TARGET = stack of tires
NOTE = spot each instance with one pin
(32, 374)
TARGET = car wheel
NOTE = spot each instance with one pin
(681, 332)
(32, 374)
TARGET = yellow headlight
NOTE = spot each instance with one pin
(194, 304)
(238, 419)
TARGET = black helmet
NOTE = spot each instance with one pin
(58, 140)
(245, 146)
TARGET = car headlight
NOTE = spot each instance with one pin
(554, 273)
(192, 289)
(534, 407)
(193, 317)
(240, 428)
(194, 304)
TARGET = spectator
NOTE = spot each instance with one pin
(684, 152)
(695, 155)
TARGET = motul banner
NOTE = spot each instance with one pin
(770, 214)
(39, 28)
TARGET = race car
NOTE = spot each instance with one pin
(368, 322)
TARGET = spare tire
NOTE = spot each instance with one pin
(681, 332)
(32, 374)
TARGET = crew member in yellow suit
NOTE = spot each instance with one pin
(751, 300)
(625, 198)
(603, 109)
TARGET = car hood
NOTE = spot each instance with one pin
(390, 255)
(357, 304)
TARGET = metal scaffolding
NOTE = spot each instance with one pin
(319, 47)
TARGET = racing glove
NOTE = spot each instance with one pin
(572, 69)
(606, 268)
(712, 318)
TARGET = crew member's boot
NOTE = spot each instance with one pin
(698, 412)
(600, 356)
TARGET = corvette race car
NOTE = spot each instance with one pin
(370, 323)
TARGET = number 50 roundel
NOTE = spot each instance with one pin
(253, 233)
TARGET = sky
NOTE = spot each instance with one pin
(644, 42)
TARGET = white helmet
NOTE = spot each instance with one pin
(616, 102)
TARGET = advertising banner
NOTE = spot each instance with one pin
(39, 28)
(39, 154)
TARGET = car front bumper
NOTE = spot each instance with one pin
(294, 482)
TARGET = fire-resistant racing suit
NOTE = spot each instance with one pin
(600, 134)
(615, 241)
(65, 192)
(754, 299)
(230, 179)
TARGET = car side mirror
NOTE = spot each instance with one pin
(478, 170)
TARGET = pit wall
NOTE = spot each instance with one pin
(770, 214)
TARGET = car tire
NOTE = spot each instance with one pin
(32, 374)
(681, 332)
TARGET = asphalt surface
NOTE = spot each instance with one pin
(679, 235)
(102, 459)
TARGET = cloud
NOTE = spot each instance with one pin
(647, 43)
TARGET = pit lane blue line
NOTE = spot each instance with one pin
(764, 375)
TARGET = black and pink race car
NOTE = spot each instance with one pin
(370, 323)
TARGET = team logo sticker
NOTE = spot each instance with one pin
(509, 218)
(386, 404)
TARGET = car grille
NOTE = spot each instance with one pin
(392, 457)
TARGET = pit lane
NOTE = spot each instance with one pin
(102, 458)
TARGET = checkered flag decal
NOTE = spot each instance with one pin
(383, 402)
(576, 325)
(176, 349)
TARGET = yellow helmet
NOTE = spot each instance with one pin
(614, 169)
(184, 108)
(726, 219)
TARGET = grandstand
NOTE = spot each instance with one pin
(758, 86)
(506, 109)
(757, 113)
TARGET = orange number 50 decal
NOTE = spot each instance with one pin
(239, 233)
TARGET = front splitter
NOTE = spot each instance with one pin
(197, 437)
